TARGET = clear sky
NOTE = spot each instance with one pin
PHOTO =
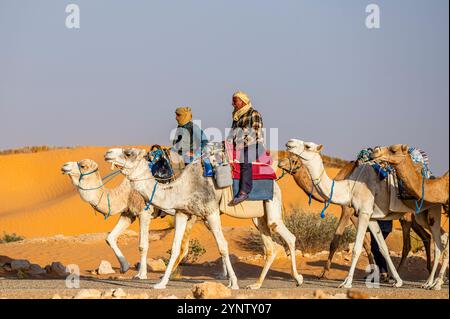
(311, 67)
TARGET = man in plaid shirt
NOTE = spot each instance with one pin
(247, 138)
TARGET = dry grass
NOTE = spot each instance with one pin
(9, 238)
(313, 233)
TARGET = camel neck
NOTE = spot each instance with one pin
(304, 181)
(435, 190)
(341, 193)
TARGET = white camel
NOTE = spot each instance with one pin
(369, 196)
(192, 194)
(120, 200)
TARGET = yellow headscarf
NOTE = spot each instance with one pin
(244, 97)
(185, 115)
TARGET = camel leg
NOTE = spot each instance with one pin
(180, 226)
(366, 242)
(216, 228)
(289, 239)
(269, 250)
(275, 220)
(224, 274)
(406, 232)
(185, 241)
(346, 215)
(363, 222)
(144, 223)
(343, 220)
(426, 239)
(435, 215)
(111, 240)
(437, 285)
(376, 231)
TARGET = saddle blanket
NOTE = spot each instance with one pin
(262, 189)
(246, 209)
(395, 203)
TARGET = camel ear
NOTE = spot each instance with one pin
(320, 148)
(405, 148)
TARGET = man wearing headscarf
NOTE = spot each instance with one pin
(247, 138)
(189, 138)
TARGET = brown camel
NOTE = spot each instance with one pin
(435, 190)
(292, 165)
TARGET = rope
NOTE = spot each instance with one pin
(327, 202)
(419, 206)
(147, 207)
(109, 176)
(311, 193)
(282, 175)
(109, 207)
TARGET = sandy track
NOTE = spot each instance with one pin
(182, 289)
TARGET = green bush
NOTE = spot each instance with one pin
(313, 233)
(9, 238)
(196, 250)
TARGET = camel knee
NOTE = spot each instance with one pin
(143, 248)
(110, 240)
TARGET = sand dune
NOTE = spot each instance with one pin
(37, 200)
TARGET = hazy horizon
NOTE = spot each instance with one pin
(311, 68)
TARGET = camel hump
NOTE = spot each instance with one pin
(346, 170)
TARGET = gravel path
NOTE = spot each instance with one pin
(182, 289)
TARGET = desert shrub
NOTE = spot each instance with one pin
(31, 149)
(313, 233)
(196, 250)
(9, 238)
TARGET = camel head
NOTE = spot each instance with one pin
(76, 170)
(307, 151)
(394, 154)
(127, 160)
(290, 164)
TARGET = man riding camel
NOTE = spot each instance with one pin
(189, 138)
(247, 139)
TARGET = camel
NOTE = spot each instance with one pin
(369, 196)
(430, 190)
(192, 194)
(293, 166)
(120, 200)
(434, 191)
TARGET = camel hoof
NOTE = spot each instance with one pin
(159, 286)
(253, 286)
(437, 287)
(398, 284)
(347, 284)
(140, 277)
(299, 280)
(124, 268)
(323, 276)
(427, 285)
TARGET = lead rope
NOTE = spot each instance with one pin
(327, 202)
(419, 206)
(147, 207)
